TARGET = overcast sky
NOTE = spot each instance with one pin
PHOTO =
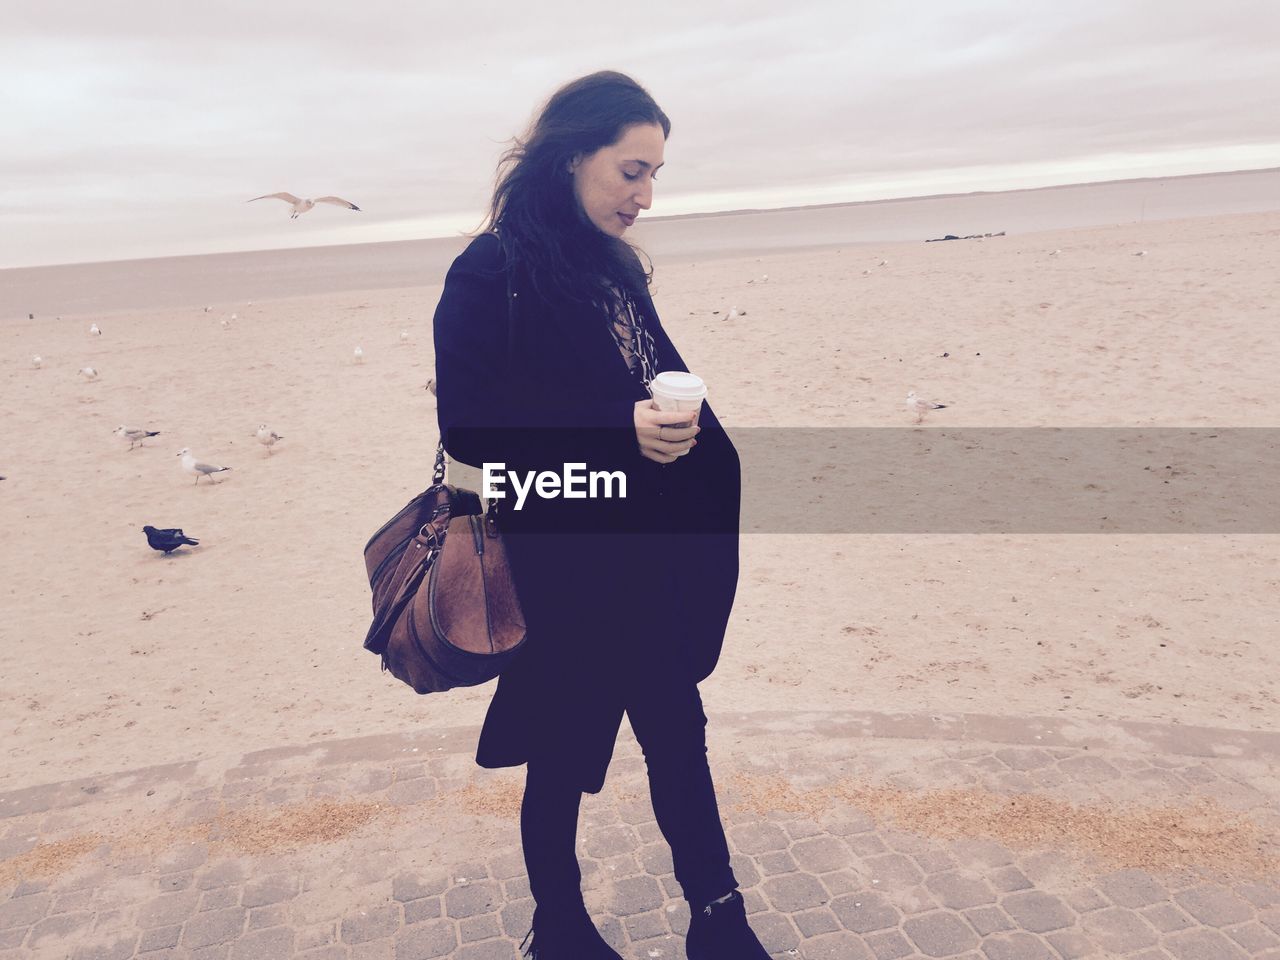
(139, 129)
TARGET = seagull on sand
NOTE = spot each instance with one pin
(37, 361)
(167, 539)
(920, 407)
(133, 435)
(404, 336)
(359, 354)
(195, 468)
(302, 204)
(94, 331)
(89, 373)
(267, 437)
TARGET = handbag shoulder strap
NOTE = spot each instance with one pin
(437, 474)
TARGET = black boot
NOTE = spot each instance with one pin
(719, 931)
(566, 934)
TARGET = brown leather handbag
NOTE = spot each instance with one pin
(445, 609)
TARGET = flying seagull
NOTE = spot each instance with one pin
(302, 205)
(267, 437)
(197, 469)
(134, 436)
(921, 407)
(167, 539)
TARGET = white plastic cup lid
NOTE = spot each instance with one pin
(679, 385)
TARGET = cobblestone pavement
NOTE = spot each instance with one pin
(854, 836)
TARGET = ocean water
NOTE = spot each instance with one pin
(180, 282)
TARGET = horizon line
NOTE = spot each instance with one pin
(739, 211)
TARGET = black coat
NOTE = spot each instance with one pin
(616, 594)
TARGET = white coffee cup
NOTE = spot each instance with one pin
(674, 391)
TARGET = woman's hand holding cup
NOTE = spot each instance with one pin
(664, 435)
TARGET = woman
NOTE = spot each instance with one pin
(546, 340)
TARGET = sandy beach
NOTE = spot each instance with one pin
(114, 657)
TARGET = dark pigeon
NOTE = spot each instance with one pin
(168, 539)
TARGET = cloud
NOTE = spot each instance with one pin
(138, 113)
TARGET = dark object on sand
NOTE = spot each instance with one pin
(972, 236)
(168, 539)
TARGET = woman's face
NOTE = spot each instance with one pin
(616, 182)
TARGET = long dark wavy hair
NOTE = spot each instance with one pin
(534, 209)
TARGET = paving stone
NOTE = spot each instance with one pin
(888, 945)
(940, 934)
(27, 887)
(479, 928)
(491, 950)
(1166, 917)
(260, 944)
(1118, 931)
(407, 887)
(169, 883)
(633, 895)
(517, 917)
(988, 920)
(797, 891)
(372, 923)
(866, 845)
(159, 938)
(935, 861)
(642, 926)
(424, 941)
(24, 911)
(471, 899)
(1085, 900)
(1022, 758)
(1253, 937)
(272, 916)
(960, 892)
(181, 859)
(820, 854)
(776, 862)
(59, 927)
(331, 952)
(116, 948)
(1214, 906)
(1202, 945)
(812, 923)
(1072, 944)
(216, 926)
(1010, 880)
(758, 838)
(1016, 946)
(864, 912)
(1037, 912)
(894, 868)
(221, 874)
(980, 854)
(841, 945)
(167, 909)
(415, 911)
(610, 841)
(219, 899)
(276, 888)
(1132, 889)
(1261, 894)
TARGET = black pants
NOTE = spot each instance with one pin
(670, 725)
